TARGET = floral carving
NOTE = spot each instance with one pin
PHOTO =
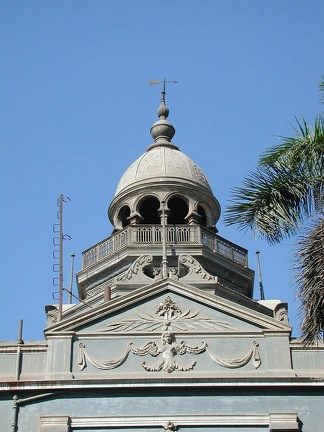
(167, 314)
(149, 166)
(177, 165)
(200, 175)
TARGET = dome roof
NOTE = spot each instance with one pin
(161, 162)
(163, 174)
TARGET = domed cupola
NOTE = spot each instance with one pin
(163, 174)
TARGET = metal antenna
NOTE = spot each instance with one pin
(58, 254)
(71, 278)
(260, 276)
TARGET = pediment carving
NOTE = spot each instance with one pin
(167, 314)
(169, 318)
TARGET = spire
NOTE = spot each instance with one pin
(162, 131)
(163, 110)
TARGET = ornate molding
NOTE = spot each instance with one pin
(172, 273)
(189, 266)
(281, 312)
(138, 266)
(52, 314)
(275, 422)
(168, 348)
(97, 290)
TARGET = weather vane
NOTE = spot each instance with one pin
(157, 82)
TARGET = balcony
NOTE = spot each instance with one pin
(148, 235)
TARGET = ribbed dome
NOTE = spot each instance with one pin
(161, 163)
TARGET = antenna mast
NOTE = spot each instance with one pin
(58, 254)
(71, 278)
(260, 276)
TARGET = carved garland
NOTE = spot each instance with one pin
(237, 363)
(168, 363)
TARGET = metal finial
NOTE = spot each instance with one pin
(162, 131)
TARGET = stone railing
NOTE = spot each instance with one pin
(152, 235)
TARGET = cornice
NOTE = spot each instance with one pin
(204, 383)
(117, 304)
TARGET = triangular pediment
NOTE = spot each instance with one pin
(193, 311)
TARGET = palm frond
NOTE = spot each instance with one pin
(309, 267)
(286, 188)
(321, 89)
(280, 197)
(271, 203)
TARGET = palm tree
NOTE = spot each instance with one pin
(285, 196)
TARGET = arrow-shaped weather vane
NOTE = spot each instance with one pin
(157, 82)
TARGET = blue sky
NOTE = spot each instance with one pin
(76, 110)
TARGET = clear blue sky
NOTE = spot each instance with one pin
(76, 109)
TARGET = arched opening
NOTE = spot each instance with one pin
(149, 211)
(203, 217)
(123, 215)
(178, 211)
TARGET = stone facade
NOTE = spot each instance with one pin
(166, 335)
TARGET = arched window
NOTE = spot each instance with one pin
(149, 211)
(123, 215)
(178, 211)
(203, 218)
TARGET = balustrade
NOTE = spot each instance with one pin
(153, 235)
